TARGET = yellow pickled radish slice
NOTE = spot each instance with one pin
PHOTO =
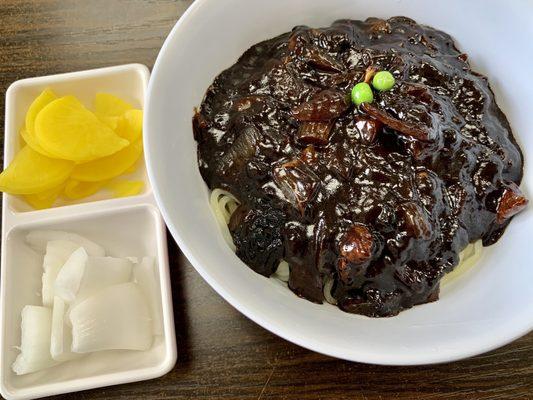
(110, 166)
(44, 199)
(112, 122)
(66, 129)
(30, 172)
(133, 168)
(45, 98)
(125, 188)
(130, 125)
(31, 141)
(75, 190)
(106, 104)
(28, 133)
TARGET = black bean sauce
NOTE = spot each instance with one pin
(380, 198)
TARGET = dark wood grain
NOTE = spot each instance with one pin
(223, 355)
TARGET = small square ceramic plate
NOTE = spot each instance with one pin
(129, 226)
(125, 81)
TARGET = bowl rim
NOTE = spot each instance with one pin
(286, 332)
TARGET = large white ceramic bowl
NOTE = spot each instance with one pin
(486, 308)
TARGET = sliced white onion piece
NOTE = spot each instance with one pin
(146, 277)
(48, 280)
(116, 318)
(69, 278)
(39, 239)
(102, 272)
(35, 341)
(61, 335)
(57, 253)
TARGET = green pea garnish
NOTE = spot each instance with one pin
(362, 93)
(383, 80)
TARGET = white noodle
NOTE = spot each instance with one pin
(282, 272)
(328, 285)
(223, 204)
(468, 258)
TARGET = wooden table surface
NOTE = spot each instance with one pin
(222, 354)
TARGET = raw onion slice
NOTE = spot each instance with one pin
(61, 339)
(39, 239)
(57, 253)
(116, 318)
(145, 276)
(69, 278)
(102, 272)
(35, 341)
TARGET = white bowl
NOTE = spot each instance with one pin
(486, 308)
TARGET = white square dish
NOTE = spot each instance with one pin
(125, 81)
(130, 226)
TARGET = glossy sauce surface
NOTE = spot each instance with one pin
(379, 198)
